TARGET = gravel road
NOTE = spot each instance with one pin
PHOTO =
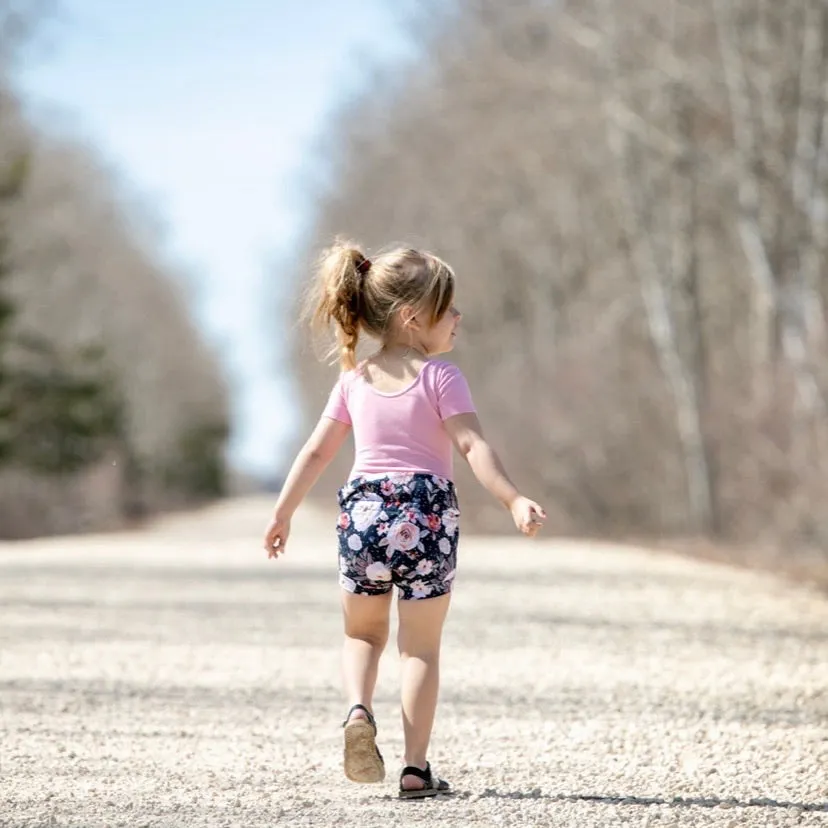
(176, 678)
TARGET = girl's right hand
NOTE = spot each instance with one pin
(527, 515)
(276, 536)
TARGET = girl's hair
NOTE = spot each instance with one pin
(357, 294)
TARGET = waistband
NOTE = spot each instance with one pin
(399, 485)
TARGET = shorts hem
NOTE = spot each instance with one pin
(402, 594)
(367, 593)
(439, 594)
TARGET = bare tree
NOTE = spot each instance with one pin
(771, 54)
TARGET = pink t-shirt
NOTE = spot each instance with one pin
(402, 431)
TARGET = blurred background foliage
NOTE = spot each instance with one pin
(633, 194)
(112, 407)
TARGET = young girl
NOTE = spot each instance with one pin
(398, 521)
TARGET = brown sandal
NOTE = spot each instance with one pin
(363, 761)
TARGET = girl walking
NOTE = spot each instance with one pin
(399, 515)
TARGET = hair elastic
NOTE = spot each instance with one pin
(364, 266)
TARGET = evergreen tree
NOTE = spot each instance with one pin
(57, 413)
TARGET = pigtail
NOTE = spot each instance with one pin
(338, 297)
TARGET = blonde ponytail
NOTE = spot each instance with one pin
(338, 297)
(358, 295)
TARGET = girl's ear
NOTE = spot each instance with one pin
(408, 318)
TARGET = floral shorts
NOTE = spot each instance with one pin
(399, 529)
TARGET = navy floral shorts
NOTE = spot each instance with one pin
(398, 529)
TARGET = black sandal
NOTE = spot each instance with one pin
(362, 759)
(432, 785)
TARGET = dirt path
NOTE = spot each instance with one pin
(175, 678)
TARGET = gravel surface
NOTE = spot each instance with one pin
(175, 677)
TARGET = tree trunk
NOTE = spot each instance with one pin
(656, 298)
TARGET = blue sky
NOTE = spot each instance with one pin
(209, 109)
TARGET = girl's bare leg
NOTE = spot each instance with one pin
(366, 634)
(420, 634)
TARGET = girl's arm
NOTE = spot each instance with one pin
(313, 458)
(467, 434)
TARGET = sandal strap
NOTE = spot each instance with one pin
(423, 775)
(365, 710)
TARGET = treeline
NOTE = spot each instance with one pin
(633, 194)
(112, 406)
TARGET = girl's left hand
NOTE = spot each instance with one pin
(527, 515)
(276, 536)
